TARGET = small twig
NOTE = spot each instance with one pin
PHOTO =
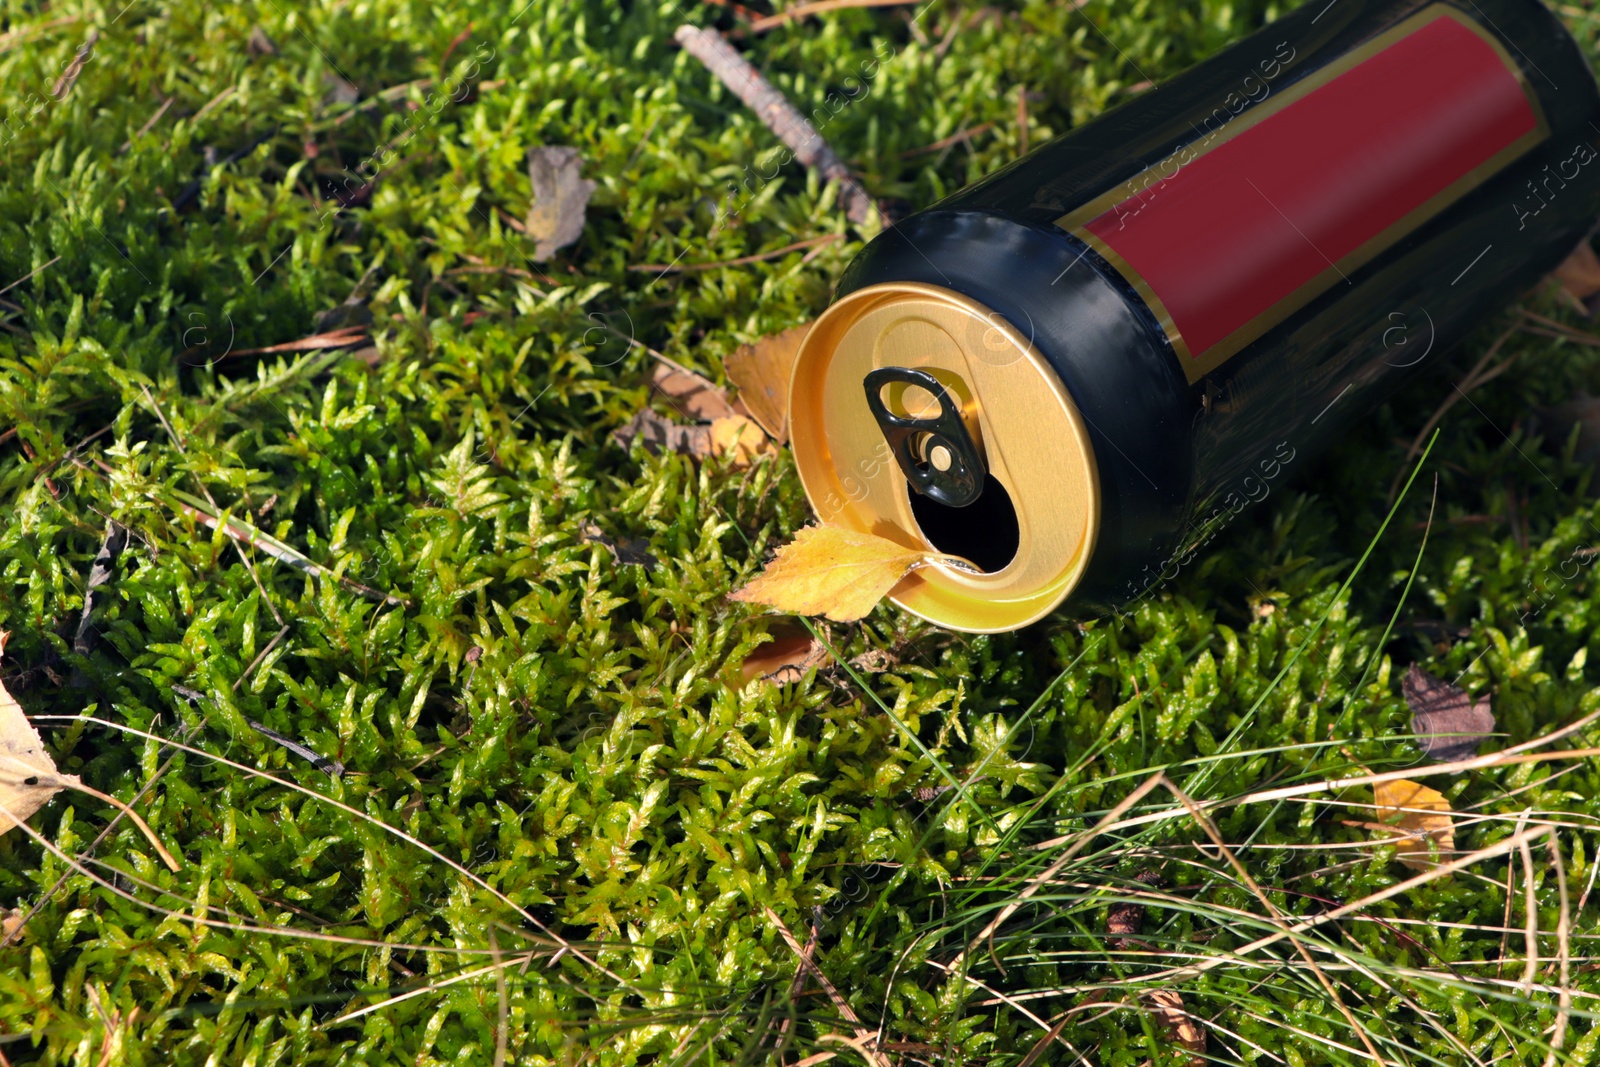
(1560, 328)
(205, 108)
(69, 77)
(341, 338)
(455, 42)
(28, 275)
(256, 538)
(150, 835)
(818, 7)
(947, 142)
(331, 767)
(778, 115)
(760, 257)
(149, 123)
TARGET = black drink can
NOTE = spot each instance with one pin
(1072, 373)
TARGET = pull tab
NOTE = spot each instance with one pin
(937, 455)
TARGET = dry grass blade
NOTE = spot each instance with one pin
(865, 1042)
(1564, 956)
(343, 338)
(431, 987)
(1499, 848)
(1042, 879)
(79, 867)
(527, 916)
(1516, 755)
(1278, 919)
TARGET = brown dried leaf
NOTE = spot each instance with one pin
(1125, 917)
(761, 371)
(834, 572)
(695, 395)
(560, 198)
(661, 434)
(339, 91)
(28, 776)
(784, 659)
(260, 44)
(1579, 274)
(625, 550)
(1448, 723)
(1419, 813)
(1166, 1008)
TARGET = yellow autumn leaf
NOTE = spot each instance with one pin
(1422, 815)
(834, 572)
(738, 438)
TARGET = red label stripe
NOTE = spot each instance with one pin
(1261, 217)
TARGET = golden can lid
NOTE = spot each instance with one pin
(1031, 531)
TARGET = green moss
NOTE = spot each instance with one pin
(572, 729)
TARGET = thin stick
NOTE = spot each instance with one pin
(69, 77)
(778, 115)
(155, 842)
(28, 275)
(818, 7)
(759, 257)
(151, 121)
(342, 338)
(947, 142)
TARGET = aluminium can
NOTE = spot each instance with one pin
(1074, 372)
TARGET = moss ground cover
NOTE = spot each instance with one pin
(566, 830)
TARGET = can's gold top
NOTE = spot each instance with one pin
(1030, 534)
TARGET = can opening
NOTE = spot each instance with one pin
(985, 531)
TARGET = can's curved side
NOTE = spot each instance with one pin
(1182, 446)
